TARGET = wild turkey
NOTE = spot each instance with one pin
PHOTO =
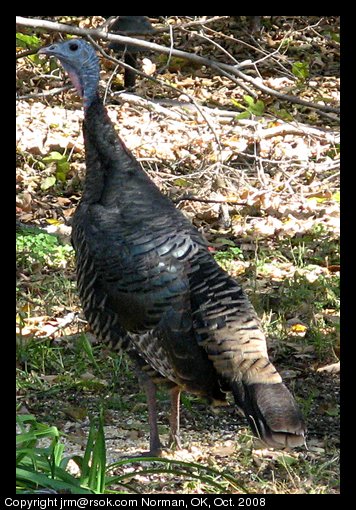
(134, 26)
(149, 285)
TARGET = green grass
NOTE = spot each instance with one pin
(45, 278)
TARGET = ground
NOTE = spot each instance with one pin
(259, 177)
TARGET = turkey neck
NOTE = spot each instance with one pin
(114, 178)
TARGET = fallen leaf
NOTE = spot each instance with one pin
(49, 378)
(76, 413)
(334, 269)
(148, 66)
(224, 450)
(299, 329)
(334, 368)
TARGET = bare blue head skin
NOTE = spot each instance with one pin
(80, 61)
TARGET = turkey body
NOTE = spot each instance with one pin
(149, 285)
(136, 257)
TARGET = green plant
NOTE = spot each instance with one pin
(27, 41)
(34, 246)
(209, 479)
(62, 168)
(251, 108)
(300, 71)
(87, 348)
(39, 466)
(93, 464)
(40, 355)
(227, 257)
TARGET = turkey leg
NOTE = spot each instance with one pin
(174, 438)
(150, 391)
(130, 76)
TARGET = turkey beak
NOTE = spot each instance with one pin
(48, 50)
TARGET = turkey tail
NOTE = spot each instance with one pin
(228, 328)
(271, 412)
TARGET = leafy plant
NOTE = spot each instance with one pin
(252, 107)
(62, 168)
(226, 258)
(46, 467)
(281, 113)
(93, 464)
(27, 41)
(39, 466)
(35, 246)
(301, 71)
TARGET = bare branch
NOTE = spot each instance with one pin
(25, 53)
(190, 24)
(290, 129)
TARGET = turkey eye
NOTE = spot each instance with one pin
(73, 46)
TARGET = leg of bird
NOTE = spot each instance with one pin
(130, 76)
(150, 391)
(174, 438)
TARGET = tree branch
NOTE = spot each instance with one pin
(189, 24)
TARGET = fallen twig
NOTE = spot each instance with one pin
(290, 129)
(207, 200)
(149, 105)
(25, 53)
(46, 93)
